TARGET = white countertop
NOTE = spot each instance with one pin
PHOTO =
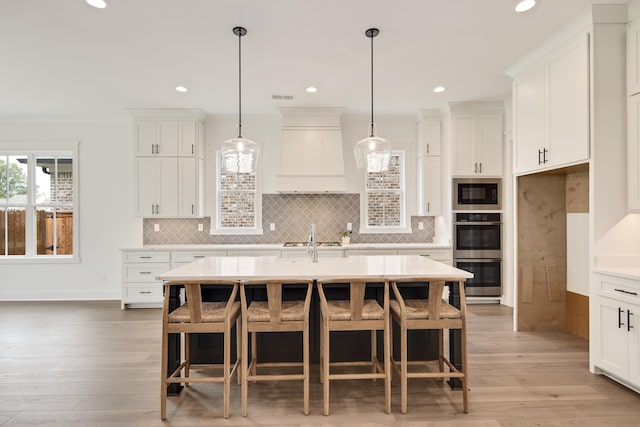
(624, 266)
(354, 267)
(632, 273)
(280, 246)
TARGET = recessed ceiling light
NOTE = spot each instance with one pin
(100, 4)
(439, 89)
(524, 5)
(182, 89)
(312, 89)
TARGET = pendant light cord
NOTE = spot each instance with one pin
(240, 85)
(372, 133)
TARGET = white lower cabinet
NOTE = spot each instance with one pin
(139, 271)
(615, 340)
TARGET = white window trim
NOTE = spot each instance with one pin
(215, 229)
(404, 227)
(12, 148)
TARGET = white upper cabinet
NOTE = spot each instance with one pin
(476, 143)
(166, 138)
(529, 105)
(633, 153)
(169, 163)
(156, 187)
(633, 57)
(633, 116)
(428, 133)
(551, 109)
(429, 186)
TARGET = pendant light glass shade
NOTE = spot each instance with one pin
(239, 155)
(372, 153)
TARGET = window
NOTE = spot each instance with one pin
(385, 198)
(38, 204)
(237, 200)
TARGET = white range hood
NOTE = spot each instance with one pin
(311, 158)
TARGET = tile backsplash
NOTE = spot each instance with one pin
(292, 215)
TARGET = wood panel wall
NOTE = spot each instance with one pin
(542, 257)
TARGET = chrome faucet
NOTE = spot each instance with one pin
(312, 247)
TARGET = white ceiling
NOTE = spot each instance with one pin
(65, 58)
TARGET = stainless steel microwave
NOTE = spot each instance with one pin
(477, 194)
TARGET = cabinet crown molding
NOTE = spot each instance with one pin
(167, 113)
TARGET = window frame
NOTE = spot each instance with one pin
(35, 149)
(216, 228)
(404, 226)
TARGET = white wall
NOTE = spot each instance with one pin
(106, 194)
(106, 213)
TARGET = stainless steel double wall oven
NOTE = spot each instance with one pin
(477, 234)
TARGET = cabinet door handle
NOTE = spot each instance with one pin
(428, 207)
(544, 155)
(475, 168)
(427, 148)
(480, 167)
(620, 324)
(193, 209)
(539, 156)
(157, 148)
(629, 314)
(193, 149)
(626, 292)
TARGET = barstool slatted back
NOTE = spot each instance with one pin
(356, 314)
(196, 316)
(274, 315)
(432, 313)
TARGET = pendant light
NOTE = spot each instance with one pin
(240, 154)
(373, 153)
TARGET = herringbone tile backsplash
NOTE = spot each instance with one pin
(292, 214)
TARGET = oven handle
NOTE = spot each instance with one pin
(477, 260)
(476, 223)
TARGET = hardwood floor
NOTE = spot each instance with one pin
(91, 364)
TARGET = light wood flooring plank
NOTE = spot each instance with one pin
(92, 364)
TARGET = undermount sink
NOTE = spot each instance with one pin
(303, 244)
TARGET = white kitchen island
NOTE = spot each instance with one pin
(371, 268)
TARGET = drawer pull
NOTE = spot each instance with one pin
(198, 256)
(144, 292)
(145, 272)
(626, 292)
(145, 257)
(620, 324)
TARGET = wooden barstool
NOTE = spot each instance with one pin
(356, 314)
(277, 314)
(196, 316)
(431, 313)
